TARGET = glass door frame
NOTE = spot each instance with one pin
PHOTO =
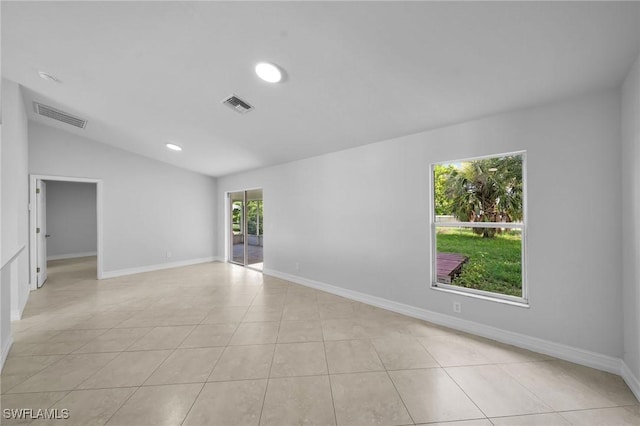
(243, 223)
(231, 198)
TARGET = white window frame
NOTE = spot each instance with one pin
(522, 301)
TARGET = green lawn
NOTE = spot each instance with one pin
(494, 263)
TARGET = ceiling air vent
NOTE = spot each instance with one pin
(237, 104)
(58, 115)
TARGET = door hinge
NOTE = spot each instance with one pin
(37, 230)
(38, 270)
(37, 190)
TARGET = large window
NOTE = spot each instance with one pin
(478, 227)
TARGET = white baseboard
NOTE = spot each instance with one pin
(5, 351)
(72, 255)
(632, 381)
(157, 267)
(546, 347)
(16, 314)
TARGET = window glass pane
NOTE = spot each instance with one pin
(237, 226)
(482, 190)
(488, 259)
(255, 226)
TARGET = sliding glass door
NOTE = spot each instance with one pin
(236, 252)
(246, 236)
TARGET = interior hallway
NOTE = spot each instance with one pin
(221, 344)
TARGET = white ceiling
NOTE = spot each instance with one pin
(144, 74)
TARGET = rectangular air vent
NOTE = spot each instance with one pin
(56, 114)
(237, 104)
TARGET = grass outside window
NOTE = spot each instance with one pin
(494, 264)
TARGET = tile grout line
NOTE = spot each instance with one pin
(215, 364)
(194, 401)
(7, 392)
(333, 402)
(561, 413)
(266, 388)
(54, 363)
(444, 369)
(535, 394)
(67, 393)
(465, 393)
(386, 371)
(122, 405)
(160, 365)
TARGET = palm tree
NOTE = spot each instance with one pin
(488, 190)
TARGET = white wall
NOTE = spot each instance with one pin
(359, 219)
(631, 217)
(71, 219)
(14, 202)
(5, 290)
(149, 207)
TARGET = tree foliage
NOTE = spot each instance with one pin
(236, 217)
(255, 217)
(487, 190)
(443, 204)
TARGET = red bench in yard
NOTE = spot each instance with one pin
(449, 266)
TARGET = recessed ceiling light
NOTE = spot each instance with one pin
(268, 72)
(46, 76)
(174, 147)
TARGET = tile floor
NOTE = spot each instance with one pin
(216, 344)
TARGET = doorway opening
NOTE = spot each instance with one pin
(65, 226)
(246, 228)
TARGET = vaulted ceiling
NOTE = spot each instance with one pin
(147, 73)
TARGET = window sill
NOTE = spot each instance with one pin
(513, 301)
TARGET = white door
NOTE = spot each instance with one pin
(41, 231)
